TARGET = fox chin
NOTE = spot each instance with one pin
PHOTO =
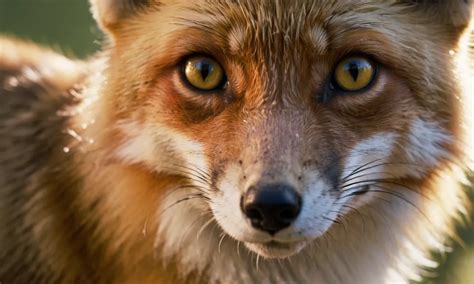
(238, 141)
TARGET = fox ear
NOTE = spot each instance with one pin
(109, 13)
(455, 13)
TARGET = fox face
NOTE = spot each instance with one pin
(283, 118)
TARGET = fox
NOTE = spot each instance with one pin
(238, 141)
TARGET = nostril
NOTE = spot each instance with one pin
(254, 214)
(288, 214)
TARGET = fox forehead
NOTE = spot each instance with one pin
(274, 29)
(286, 36)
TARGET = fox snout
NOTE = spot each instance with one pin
(271, 207)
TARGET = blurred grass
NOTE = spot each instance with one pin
(67, 25)
(458, 266)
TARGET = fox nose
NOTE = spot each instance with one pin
(272, 207)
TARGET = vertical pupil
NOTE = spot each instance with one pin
(354, 70)
(205, 70)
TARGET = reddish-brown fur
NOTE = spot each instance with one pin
(91, 216)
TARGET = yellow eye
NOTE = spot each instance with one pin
(354, 73)
(204, 73)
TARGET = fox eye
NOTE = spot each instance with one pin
(203, 73)
(354, 74)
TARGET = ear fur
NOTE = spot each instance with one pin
(109, 13)
(455, 13)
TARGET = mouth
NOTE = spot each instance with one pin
(275, 249)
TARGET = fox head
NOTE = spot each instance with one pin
(283, 118)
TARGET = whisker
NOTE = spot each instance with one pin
(220, 242)
(387, 181)
(332, 220)
(238, 247)
(388, 163)
(196, 170)
(203, 228)
(201, 189)
(369, 174)
(189, 174)
(187, 198)
(257, 261)
(353, 209)
(358, 169)
(204, 193)
(361, 191)
(401, 196)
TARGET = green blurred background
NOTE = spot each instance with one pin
(68, 26)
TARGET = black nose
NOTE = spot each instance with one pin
(272, 207)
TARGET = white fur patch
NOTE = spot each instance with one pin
(424, 149)
(368, 159)
(161, 149)
(425, 143)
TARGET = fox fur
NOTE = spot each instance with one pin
(112, 171)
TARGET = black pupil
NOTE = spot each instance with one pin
(353, 69)
(205, 68)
